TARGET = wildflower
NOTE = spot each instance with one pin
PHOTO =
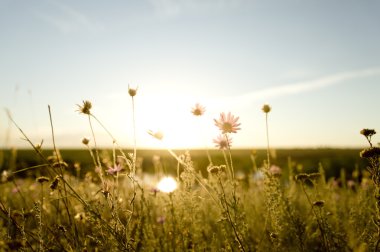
(132, 91)
(275, 170)
(158, 135)
(198, 110)
(266, 108)
(368, 132)
(371, 152)
(85, 108)
(114, 170)
(223, 142)
(227, 123)
(42, 179)
(85, 140)
(161, 220)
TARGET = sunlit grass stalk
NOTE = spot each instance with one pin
(225, 206)
(65, 200)
(325, 240)
(75, 194)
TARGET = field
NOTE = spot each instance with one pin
(189, 200)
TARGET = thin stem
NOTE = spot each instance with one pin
(134, 136)
(267, 130)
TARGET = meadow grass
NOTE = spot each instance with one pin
(225, 200)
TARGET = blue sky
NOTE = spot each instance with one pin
(317, 63)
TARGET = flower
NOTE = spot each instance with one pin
(85, 108)
(372, 152)
(158, 134)
(115, 169)
(266, 108)
(223, 142)
(198, 110)
(227, 123)
(275, 170)
(132, 91)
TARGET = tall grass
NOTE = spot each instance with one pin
(113, 208)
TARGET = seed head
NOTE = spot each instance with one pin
(42, 179)
(319, 203)
(266, 108)
(85, 140)
(372, 152)
(368, 132)
(302, 177)
(85, 108)
(132, 91)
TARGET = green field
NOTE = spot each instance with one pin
(307, 200)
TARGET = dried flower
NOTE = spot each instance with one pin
(227, 123)
(223, 142)
(266, 108)
(158, 134)
(214, 169)
(85, 140)
(132, 91)
(42, 179)
(319, 203)
(115, 169)
(368, 132)
(54, 184)
(198, 110)
(85, 108)
(302, 177)
(372, 152)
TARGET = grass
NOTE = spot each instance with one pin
(243, 200)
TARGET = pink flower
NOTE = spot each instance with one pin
(198, 110)
(223, 142)
(275, 170)
(227, 123)
(114, 170)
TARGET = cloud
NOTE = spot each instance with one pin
(307, 86)
(173, 8)
(68, 19)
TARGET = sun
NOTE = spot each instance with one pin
(167, 185)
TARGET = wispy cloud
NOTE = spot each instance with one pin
(173, 8)
(308, 86)
(67, 19)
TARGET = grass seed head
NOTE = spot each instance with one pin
(85, 108)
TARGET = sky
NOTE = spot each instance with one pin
(316, 62)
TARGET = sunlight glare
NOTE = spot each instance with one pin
(167, 185)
